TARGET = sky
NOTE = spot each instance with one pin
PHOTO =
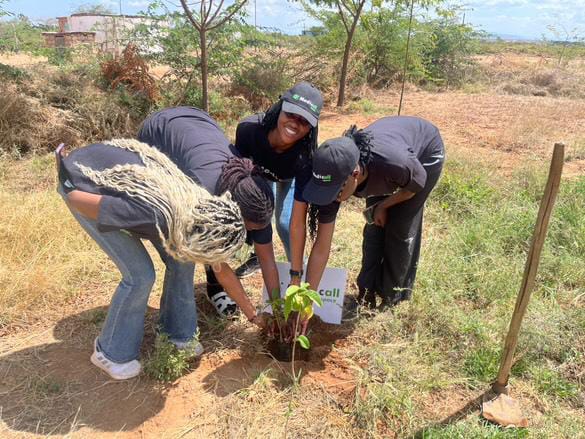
(523, 18)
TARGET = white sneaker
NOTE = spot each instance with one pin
(193, 348)
(118, 371)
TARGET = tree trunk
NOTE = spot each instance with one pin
(341, 95)
(203, 43)
(356, 18)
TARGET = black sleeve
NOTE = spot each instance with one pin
(243, 143)
(417, 175)
(328, 213)
(302, 177)
(116, 213)
(262, 236)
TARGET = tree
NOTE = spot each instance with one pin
(349, 12)
(211, 16)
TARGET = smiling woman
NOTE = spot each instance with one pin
(281, 142)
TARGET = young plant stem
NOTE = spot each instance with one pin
(294, 340)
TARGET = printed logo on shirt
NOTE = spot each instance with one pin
(323, 178)
(297, 97)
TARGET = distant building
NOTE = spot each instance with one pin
(109, 33)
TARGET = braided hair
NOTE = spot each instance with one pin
(363, 141)
(308, 143)
(249, 189)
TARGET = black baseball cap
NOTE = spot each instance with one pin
(333, 162)
(305, 100)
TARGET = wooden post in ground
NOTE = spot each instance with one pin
(532, 261)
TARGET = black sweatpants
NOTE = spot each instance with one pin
(390, 254)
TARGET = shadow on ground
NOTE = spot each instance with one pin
(53, 388)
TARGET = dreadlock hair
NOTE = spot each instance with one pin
(308, 143)
(201, 227)
(249, 189)
(363, 141)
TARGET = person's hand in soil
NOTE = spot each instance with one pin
(380, 216)
(264, 322)
(290, 327)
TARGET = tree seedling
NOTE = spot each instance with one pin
(291, 316)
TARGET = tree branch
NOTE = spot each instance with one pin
(217, 10)
(338, 3)
(189, 15)
(208, 11)
(229, 16)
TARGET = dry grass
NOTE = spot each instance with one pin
(533, 75)
(415, 372)
(53, 106)
(45, 258)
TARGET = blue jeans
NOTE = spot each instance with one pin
(283, 203)
(123, 329)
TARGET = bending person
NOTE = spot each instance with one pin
(198, 146)
(125, 191)
(394, 163)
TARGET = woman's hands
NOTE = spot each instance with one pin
(263, 321)
(380, 215)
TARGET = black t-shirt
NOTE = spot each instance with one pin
(327, 213)
(402, 146)
(117, 209)
(192, 140)
(252, 142)
(196, 144)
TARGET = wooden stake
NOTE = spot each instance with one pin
(546, 205)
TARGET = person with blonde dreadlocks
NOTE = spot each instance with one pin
(198, 146)
(122, 191)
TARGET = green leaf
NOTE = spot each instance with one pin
(304, 341)
(314, 296)
(288, 303)
(298, 302)
(292, 290)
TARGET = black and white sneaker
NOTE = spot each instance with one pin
(248, 268)
(224, 305)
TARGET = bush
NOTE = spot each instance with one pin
(10, 73)
(166, 363)
(21, 35)
(227, 110)
(55, 106)
(261, 79)
(131, 71)
(447, 53)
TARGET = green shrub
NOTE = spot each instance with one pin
(166, 363)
